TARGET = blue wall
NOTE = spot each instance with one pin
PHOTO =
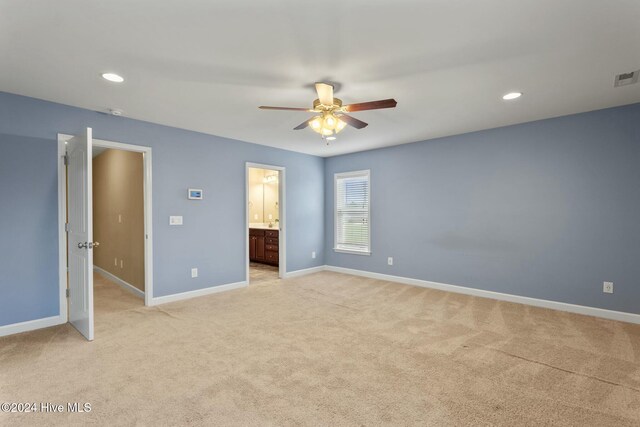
(28, 229)
(547, 209)
(212, 237)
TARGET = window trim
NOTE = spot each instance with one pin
(341, 175)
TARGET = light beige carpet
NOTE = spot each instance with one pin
(329, 349)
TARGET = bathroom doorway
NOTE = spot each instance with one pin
(265, 223)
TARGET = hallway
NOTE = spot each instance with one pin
(109, 297)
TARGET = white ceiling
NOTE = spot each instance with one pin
(207, 65)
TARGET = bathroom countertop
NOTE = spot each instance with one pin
(264, 227)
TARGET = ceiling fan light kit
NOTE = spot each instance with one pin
(332, 117)
(327, 124)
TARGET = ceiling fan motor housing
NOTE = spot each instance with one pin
(337, 104)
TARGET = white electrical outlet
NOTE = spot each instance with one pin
(194, 273)
(390, 260)
(175, 220)
(313, 254)
(607, 287)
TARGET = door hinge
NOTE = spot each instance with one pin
(66, 159)
(67, 292)
(67, 227)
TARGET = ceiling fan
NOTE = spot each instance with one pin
(332, 117)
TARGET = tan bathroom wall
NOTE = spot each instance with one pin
(263, 197)
(118, 215)
(256, 192)
(270, 198)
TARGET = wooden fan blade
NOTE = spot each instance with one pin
(264, 107)
(372, 105)
(304, 124)
(358, 124)
(325, 93)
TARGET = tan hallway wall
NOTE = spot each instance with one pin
(118, 215)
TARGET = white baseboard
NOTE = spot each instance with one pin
(572, 308)
(304, 272)
(197, 293)
(125, 285)
(31, 325)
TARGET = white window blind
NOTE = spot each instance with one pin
(352, 191)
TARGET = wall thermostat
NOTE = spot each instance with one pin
(195, 194)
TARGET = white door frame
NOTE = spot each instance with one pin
(148, 215)
(282, 213)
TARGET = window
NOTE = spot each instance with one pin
(352, 233)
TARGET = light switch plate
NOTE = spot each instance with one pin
(175, 220)
(194, 273)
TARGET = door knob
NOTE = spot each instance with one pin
(88, 245)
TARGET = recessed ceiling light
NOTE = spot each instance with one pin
(512, 95)
(331, 138)
(113, 77)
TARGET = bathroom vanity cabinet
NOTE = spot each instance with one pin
(264, 246)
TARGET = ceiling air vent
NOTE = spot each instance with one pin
(626, 78)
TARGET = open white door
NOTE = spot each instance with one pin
(80, 235)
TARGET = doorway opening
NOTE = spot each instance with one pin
(265, 223)
(118, 226)
(105, 228)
